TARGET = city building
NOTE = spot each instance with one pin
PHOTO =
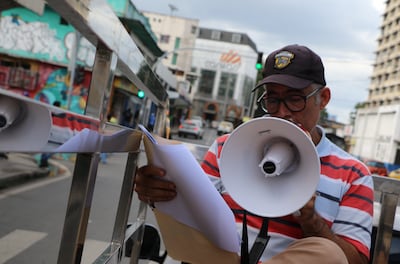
(176, 37)
(377, 123)
(225, 63)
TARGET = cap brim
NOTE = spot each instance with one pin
(286, 80)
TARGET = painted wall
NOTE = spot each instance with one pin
(46, 43)
(26, 34)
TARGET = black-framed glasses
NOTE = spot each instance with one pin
(295, 103)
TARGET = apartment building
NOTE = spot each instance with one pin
(377, 124)
(176, 37)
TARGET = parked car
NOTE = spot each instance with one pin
(224, 127)
(395, 174)
(376, 167)
(203, 122)
(191, 127)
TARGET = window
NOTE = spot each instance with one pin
(216, 35)
(174, 59)
(177, 43)
(236, 38)
(247, 87)
(164, 39)
(206, 82)
(193, 30)
(226, 85)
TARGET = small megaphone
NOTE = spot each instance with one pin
(24, 124)
(270, 167)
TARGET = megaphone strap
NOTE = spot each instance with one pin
(244, 250)
(259, 244)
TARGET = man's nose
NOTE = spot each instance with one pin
(283, 111)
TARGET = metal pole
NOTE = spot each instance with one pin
(72, 66)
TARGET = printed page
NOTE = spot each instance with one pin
(198, 204)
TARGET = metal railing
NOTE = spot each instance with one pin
(387, 192)
(115, 50)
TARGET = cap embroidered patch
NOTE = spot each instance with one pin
(283, 59)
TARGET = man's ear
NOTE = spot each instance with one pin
(325, 95)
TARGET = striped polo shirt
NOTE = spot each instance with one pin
(345, 199)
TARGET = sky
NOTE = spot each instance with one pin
(343, 32)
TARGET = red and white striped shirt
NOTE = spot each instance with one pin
(345, 200)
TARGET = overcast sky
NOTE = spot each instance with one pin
(343, 32)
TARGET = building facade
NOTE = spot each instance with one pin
(377, 123)
(36, 51)
(225, 63)
(176, 37)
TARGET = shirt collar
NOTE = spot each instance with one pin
(323, 145)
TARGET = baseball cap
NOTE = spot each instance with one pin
(294, 66)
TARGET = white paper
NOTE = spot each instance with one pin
(89, 140)
(198, 204)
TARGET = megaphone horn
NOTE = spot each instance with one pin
(270, 166)
(24, 124)
(9, 111)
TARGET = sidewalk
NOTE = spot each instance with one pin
(19, 168)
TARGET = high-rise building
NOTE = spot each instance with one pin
(377, 123)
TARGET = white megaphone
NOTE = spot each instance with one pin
(24, 124)
(270, 167)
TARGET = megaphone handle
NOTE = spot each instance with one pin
(261, 242)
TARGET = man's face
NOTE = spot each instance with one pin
(307, 117)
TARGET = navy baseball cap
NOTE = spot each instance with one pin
(294, 66)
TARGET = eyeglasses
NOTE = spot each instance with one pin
(295, 103)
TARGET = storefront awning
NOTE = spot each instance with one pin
(177, 100)
(141, 32)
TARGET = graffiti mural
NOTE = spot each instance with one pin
(33, 37)
(86, 51)
(56, 90)
(42, 39)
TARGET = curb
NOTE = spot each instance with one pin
(21, 177)
(22, 168)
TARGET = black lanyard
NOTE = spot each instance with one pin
(259, 244)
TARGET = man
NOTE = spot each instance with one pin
(333, 227)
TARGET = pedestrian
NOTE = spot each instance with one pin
(338, 232)
(127, 117)
(152, 121)
(44, 157)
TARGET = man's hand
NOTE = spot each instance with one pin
(151, 187)
(312, 224)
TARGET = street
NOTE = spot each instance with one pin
(32, 214)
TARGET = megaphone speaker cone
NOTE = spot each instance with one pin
(267, 178)
(24, 124)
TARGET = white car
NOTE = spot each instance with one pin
(224, 127)
(203, 122)
(191, 127)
